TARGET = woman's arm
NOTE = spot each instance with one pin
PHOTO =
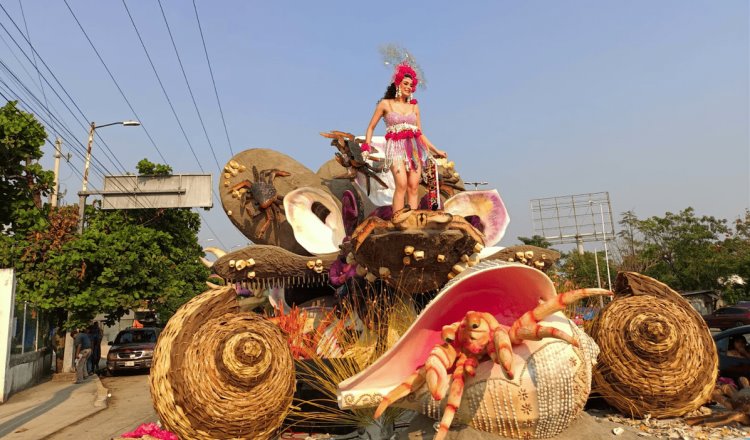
(379, 112)
(423, 138)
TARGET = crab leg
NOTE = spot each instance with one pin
(464, 365)
(434, 371)
(500, 351)
(526, 327)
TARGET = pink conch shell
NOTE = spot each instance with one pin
(552, 380)
(317, 235)
(488, 206)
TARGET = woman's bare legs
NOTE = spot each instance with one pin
(400, 178)
(413, 177)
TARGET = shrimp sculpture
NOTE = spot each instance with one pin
(478, 336)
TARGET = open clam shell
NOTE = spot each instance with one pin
(488, 206)
(315, 219)
(552, 378)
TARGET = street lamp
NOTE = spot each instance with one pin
(83, 194)
(68, 352)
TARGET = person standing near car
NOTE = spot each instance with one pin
(82, 346)
(95, 336)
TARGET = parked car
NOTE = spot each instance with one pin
(132, 349)
(731, 363)
(728, 317)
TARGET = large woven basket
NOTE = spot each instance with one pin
(657, 355)
(220, 374)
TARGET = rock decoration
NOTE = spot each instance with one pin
(657, 355)
(220, 374)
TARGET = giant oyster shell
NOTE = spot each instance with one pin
(552, 378)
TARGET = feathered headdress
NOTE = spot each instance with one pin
(404, 62)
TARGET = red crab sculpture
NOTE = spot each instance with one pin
(469, 341)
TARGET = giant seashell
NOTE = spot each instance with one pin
(211, 360)
(488, 206)
(658, 356)
(316, 220)
(552, 380)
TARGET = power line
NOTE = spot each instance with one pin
(184, 75)
(28, 37)
(213, 81)
(115, 81)
(36, 53)
(163, 89)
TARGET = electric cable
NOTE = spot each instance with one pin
(187, 83)
(213, 81)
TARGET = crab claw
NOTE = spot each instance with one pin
(526, 327)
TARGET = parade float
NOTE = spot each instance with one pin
(421, 308)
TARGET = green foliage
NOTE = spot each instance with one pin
(535, 240)
(148, 168)
(23, 182)
(124, 259)
(580, 271)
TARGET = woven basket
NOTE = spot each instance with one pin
(657, 355)
(221, 374)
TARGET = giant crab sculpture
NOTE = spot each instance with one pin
(477, 337)
(433, 246)
(263, 194)
(350, 157)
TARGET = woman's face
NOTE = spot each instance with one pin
(406, 86)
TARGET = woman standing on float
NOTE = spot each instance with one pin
(406, 148)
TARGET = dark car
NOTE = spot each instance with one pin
(132, 349)
(728, 317)
(732, 363)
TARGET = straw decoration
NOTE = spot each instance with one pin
(657, 355)
(220, 374)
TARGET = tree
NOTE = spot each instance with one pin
(23, 182)
(124, 259)
(535, 240)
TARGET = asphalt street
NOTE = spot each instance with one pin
(128, 407)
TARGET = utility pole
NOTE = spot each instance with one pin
(82, 195)
(58, 144)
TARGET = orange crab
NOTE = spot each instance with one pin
(472, 340)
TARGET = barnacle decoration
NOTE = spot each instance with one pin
(210, 359)
(657, 354)
(486, 352)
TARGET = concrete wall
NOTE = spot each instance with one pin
(28, 369)
(7, 303)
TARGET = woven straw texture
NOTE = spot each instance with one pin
(657, 355)
(220, 374)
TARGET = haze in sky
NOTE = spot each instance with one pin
(646, 100)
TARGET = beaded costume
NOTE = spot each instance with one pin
(402, 141)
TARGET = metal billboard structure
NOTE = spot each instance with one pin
(174, 191)
(575, 219)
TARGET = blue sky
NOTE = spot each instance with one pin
(647, 100)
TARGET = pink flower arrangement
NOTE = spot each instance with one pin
(402, 70)
(403, 134)
(151, 429)
(365, 147)
(413, 101)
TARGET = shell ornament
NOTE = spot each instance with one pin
(220, 374)
(526, 385)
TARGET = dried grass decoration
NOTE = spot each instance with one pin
(221, 374)
(657, 355)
